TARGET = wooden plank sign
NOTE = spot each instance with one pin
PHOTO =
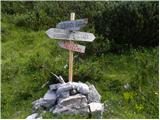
(72, 46)
(62, 34)
(68, 32)
(72, 25)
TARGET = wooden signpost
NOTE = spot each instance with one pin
(70, 77)
(67, 30)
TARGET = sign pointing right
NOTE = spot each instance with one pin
(62, 34)
(72, 25)
(72, 46)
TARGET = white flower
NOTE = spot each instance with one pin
(126, 86)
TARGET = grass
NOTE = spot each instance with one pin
(26, 54)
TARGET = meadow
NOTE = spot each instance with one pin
(126, 79)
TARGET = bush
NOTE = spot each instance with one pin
(117, 25)
(16, 7)
(131, 23)
(35, 21)
(42, 15)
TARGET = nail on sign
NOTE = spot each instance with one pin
(62, 34)
(72, 25)
(72, 46)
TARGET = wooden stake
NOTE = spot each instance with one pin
(72, 17)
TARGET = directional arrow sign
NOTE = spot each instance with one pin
(72, 46)
(72, 25)
(62, 34)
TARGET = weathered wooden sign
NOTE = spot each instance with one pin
(67, 30)
(72, 25)
(72, 46)
(62, 34)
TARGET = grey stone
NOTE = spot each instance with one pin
(39, 117)
(97, 109)
(37, 105)
(59, 110)
(69, 98)
(33, 116)
(54, 86)
(64, 90)
(93, 95)
(75, 100)
(94, 107)
(64, 94)
(81, 87)
(50, 95)
(42, 103)
(71, 110)
(72, 105)
(50, 98)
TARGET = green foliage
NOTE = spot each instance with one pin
(14, 7)
(41, 15)
(49, 115)
(29, 57)
(115, 86)
(131, 23)
(146, 79)
(128, 96)
(35, 21)
(117, 25)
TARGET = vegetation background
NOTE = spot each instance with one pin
(122, 62)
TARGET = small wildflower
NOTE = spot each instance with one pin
(156, 93)
(126, 86)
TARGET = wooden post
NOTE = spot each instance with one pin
(72, 17)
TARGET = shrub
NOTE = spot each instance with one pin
(35, 21)
(131, 23)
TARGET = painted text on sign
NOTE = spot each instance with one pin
(72, 25)
(72, 46)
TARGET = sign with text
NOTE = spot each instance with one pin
(72, 46)
(67, 31)
(62, 34)
(72, 25)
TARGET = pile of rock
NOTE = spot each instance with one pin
(69, 98)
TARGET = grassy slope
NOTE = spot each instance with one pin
(24, 55)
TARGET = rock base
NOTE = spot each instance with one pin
(69, 98)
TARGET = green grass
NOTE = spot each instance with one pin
(26, 54)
